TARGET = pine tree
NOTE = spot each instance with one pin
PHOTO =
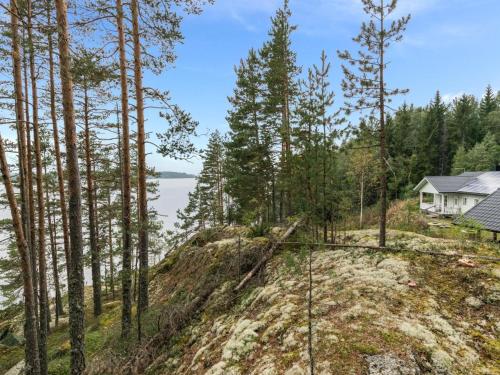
(314, 140)
(280, 94)
(25, 253)
(141, 162)
(89, 75)
(55, 134)
(76, 281)
(488, 103)
(249, 159)
(211, 180)
(367, 88)
(465, 128)
(42, 262)
(489, 113)
(125, 167)
(437, 143)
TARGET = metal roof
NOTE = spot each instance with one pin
(487, 212)
(471, 174)
(481, 183)
(485, 183)
(448, 184)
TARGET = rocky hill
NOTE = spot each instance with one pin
(372, 312)
(400, 312)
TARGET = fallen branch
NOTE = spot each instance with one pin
(395, 250)
(268, 255)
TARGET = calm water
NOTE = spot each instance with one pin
(173, 195)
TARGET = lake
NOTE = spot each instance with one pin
(173, 195)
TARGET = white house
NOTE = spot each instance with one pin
(455, 195)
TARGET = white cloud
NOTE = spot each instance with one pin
(450, 97)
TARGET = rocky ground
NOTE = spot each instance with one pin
(375, 313)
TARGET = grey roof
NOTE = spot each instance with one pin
(487, 212)
(448, 184)
(485, 183)
(471, 174)
(481, 183)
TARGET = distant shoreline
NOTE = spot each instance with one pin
(172, 175)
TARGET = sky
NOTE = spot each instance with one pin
(450, 45)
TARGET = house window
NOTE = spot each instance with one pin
(456, 201)
(476, 202)
(465, 201)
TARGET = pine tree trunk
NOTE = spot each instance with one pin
(126, 206)
(42, 262)
(53, 251)
(57, 150)
(383, 151)
(32, 353)
(143, 300)
(362, 196)
(31, 234)
(30, 327)
(76, 280)
(94, 250)
(110, 244)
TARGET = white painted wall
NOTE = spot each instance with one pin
(428, 188)
(456, 203)
(461, 203)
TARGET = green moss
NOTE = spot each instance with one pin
(492, 348)
(9, 357)
(59, 366)
(365, 348)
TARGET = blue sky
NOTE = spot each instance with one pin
(450, 45)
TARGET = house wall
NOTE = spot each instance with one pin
(461, 203)
(428, 188)
(456, 203)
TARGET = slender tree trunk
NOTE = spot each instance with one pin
(76, 281)
(362, 196)
(42, 261)
(126, 207)
(32, 354)
(110, 244)
(309, 315)
(31, 236)
(94, 249)
(53, 251)
(383, 151)
(143, 300)
(30, 327)
(57, 150)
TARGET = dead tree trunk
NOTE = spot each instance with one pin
(268, 255)
(76, 281)
(126, 206)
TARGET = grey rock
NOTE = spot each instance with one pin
(473, 302)
(391, 365)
